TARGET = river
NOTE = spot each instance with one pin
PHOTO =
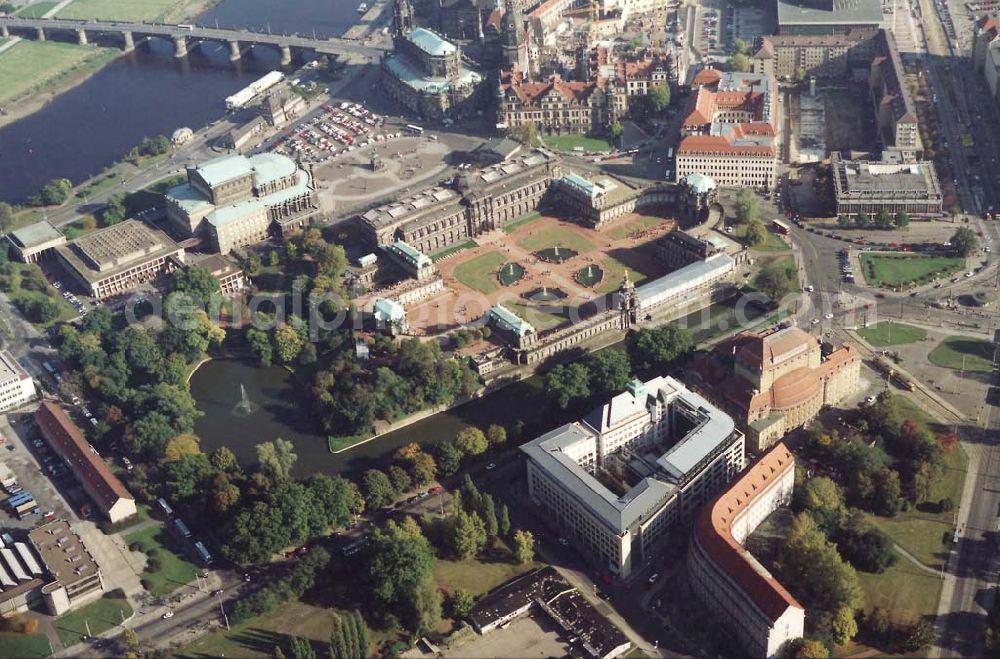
(85, 129)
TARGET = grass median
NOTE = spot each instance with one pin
(892, 334)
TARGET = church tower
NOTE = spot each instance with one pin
(512, 42)
(402, 19)
(628, 303)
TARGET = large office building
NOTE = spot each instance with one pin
(895, 112)
(113, 501)
(986, 52)
(744, 597)
(235, 200)
(425, 72)
(35, 241)
(475, 202)
(729, 131)
(776, 380)
(821, 56)
(119, 258)
(893, 187)
(53, 571)
(820, 17)
(615, 482)
(16, 386)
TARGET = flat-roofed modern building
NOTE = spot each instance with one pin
(119, 258)
(746, 600)
(872, 186)
(35, 241)
(474, 203)
(895, 111)
(16, 386)
(695, 280)
(113, 500)
(77, 576)
(821, 56)
(815, 17)
(236, 200)
(617, 480)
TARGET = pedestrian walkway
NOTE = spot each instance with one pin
(916, 561)
(9, 43)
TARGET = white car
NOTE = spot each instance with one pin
(809, 289)
(870, 400)
(815, 321)
(968, 274)
(654, 577)
(168, 615)
(828, 316)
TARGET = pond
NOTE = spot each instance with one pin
(282, 410)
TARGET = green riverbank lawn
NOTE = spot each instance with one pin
(37, 9)
(29, 65)
(127, 10)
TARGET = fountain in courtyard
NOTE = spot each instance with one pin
(245, 407)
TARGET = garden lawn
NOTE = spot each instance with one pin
(540, 318)
(521, 221)
(36, 10)
(480, 273)
(257, 637)
(901, 270)
(175, 570)
(623, 231)
(125, 10)
(892, 334)
(905, 591)
(781, 261)
(476, 575)
(337, 444)
(101, 616)
(614, 271)
(28, 65)
(557, 236)
(966, 352)
(569, 142)
(454, 249)
(27, 646)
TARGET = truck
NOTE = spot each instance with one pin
(239, 100)
(16, 500)
(164, 506)
(26, 508)
(206, 557)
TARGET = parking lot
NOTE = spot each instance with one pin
(37, 472)
(336, 130)
(528, 636)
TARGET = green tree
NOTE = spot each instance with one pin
(504, 521)
(377, 489)
(399, 478)
(183, 444)
(964, 241)
(449, 458)
(775, 280)
(659, 98)
(824, 501)
(747, 206)
(862, 220)
(659, 348)
(864, 545)
(488, 513)
(844, 221)
(740, 47)
(883, 220)
(197, 282)
(800, 74)
(524, 546)
(844, 627)
(568, 382)
(802, 648)
(739, 63)
(471, 441)
(276, 458)
(6, 216)
(888, 495)
(115, 210)
(902, 220)
(526, 133)
(224, 460)
(756, 234)
(919, 637)
(300, 648)
(609, 372)
(468, 535)
(423, 469)
(496, 435)
(461, 604)
(398, 565)
(820, 576)
(615, 131)
(260, 346)
(288, 343)
(54, 193)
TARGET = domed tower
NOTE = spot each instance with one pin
(513, 46)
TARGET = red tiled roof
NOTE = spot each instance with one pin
(706, 77)
(713, 531)
(718, 145)
(532, 92)
(989, 24)
(63, 435)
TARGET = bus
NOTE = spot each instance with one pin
(199, 546)
(185, 26)
(165, 507)
(182, 527)
(780, 227)
(414, 130)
